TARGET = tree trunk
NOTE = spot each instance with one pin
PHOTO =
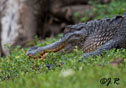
(19, 21)
(0, 38)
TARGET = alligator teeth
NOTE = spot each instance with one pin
(44, 55)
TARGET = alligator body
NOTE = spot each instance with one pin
(92, 37)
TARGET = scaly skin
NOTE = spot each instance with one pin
(92, 37)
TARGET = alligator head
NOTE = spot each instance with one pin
(74, 35)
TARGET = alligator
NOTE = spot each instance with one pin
(93, 37)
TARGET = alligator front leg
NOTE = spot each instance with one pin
(57, 46)
(107, 46)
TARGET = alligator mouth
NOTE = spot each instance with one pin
(45, 52)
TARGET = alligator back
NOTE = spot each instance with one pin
(100, 32)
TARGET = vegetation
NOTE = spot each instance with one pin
(19, 71)
(117, 7)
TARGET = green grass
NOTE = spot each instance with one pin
(117, 7)
(19, 71)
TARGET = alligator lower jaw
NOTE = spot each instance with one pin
(44, 53)
(41, 57)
